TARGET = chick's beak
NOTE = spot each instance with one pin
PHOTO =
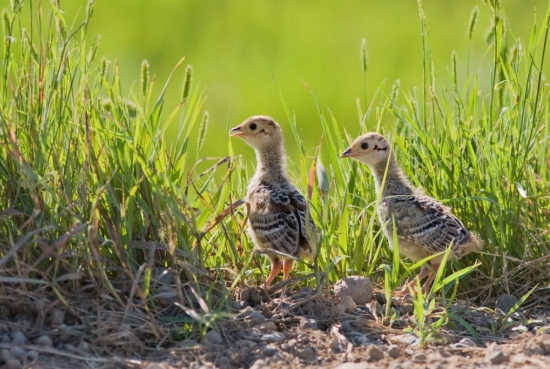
(347, 153)
(237, 131)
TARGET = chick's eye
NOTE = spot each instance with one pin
(364, 145)
(253, 126)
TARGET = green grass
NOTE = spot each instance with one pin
(92, 190)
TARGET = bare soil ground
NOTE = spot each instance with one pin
(297, 329)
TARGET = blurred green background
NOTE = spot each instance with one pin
(238, 48)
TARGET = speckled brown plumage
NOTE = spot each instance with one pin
(277, 210)
(422, 224)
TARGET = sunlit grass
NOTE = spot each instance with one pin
(92, 191)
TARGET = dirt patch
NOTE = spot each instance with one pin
(299, 328)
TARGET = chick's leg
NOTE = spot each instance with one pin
(287, 266)
(432, 273)
(412, 284)
(276, 266)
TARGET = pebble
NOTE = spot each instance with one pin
(32, 355)
(301, 293)
(419, 358)
(239, 305)
(259, 364)
(306, 353)
(272, 337)
(358, 287)
(347, 304)
(505, 303)
(536, 350)
(464, 343)
(163, 275)
(165, 299)
(270, 350)
(407, 338)
(353, 366)
(83, 347)
(213, 337)
(57, 317)
(5, 355)
(18, 338)
(13, 364)
(406, 309)
(374, 353)
(18, 353)
(5, 338)
(394, 351)
(277, 357)
(266, 327)
(245, 344)
(308, 323)
(381, 298)
(44, 341)
(252, 316)
(496, 357)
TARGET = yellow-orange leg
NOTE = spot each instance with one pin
(429, 271)
(275, 269)
(287, 266)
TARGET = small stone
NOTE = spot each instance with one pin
(32, 355)
(5, 338)
(5, 355)
(44, 341)
(57, 317)
(394, 351)
(306, 353)
(18, 353)
(239, 305)
(505, 303)
(259, 364)
(70, 347)
(266, 327)
(245, 344)
(18, 338)
(380, 297)
(353, 366)
(347, 304)
(213, 337)
(496, 357)
(272, 337)
(464, 343)
(406, 309)
(301, 293)
(374, 353)
(83, 347)
(536, 350)
(277, 357)
(165, 299)
(253, 316)
(419, 358)
(407, 339)
(13, 364)
(270, 350)
(163, 275)
(358, 287)
(308, 323)
(545, 344)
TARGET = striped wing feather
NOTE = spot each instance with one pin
(425, 222)
(277, 218)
